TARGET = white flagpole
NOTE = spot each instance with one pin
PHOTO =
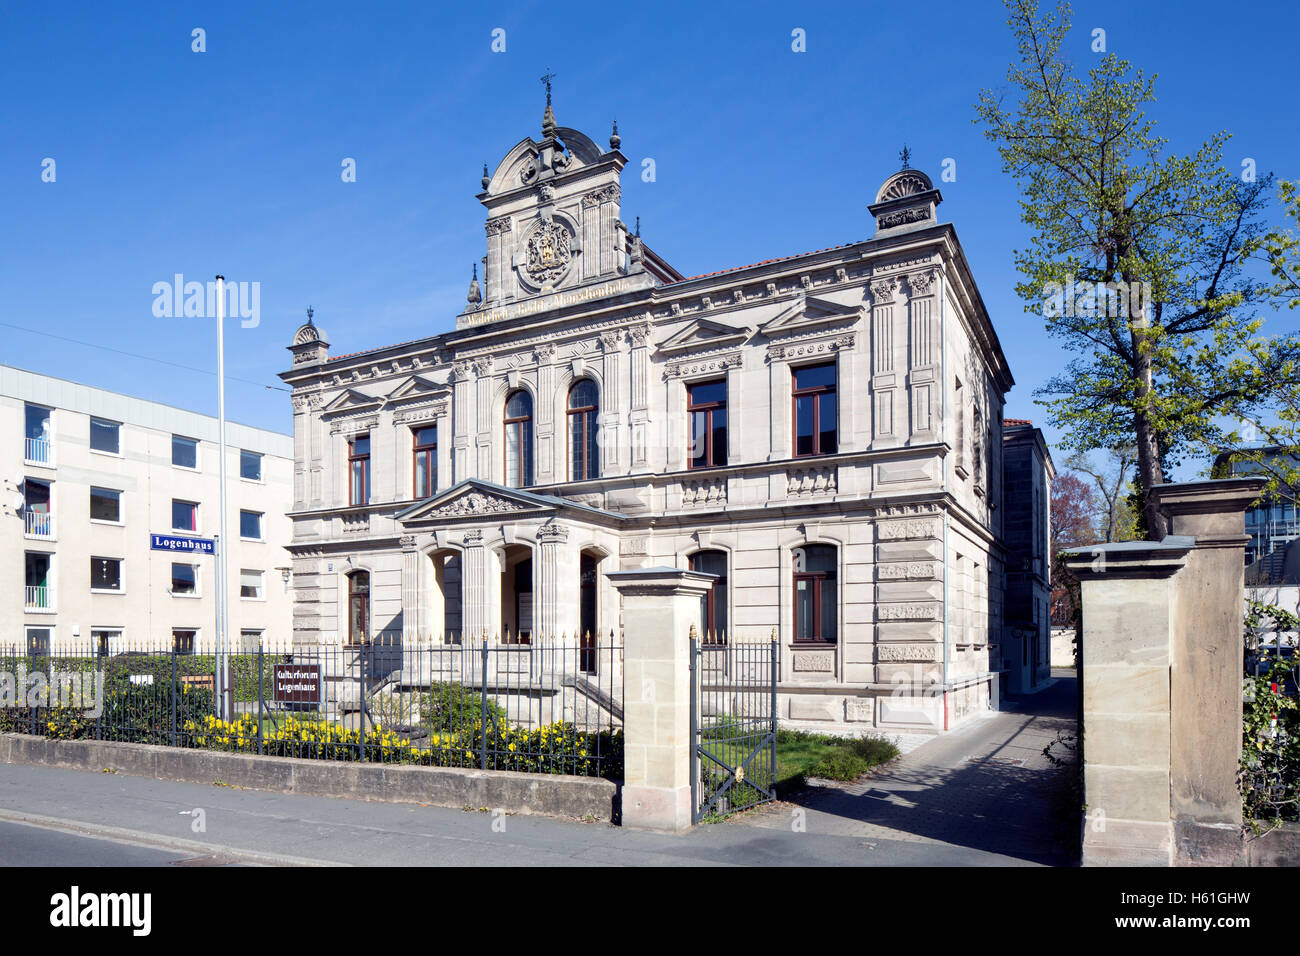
(221, 569)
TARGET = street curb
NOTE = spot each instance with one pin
(556, 795)
(141, 838)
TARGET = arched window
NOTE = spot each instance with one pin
(584, 406)
(358, 607)
(713, 605)
(815, 593)
(519, 439)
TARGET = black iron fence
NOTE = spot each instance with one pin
(547, 706)
(733, 724)
(1270, 764)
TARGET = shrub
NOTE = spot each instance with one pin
(454, 707)
(147, 713)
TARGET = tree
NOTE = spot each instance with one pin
(1075, 512)
(1277, 459)
(1136, 257)
(1112, 480)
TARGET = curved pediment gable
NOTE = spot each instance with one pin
(704, 334)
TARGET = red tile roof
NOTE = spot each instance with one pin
(705, 275)
(1016, 421)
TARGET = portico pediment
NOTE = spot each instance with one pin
(472, 500)
(415, 388)
(810, 314)
(350, 400)
(703, 335)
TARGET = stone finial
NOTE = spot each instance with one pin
(614, 139)
(486, 178)
(474, 296)
(548, 118)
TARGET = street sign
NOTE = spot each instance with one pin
(297, 684)
(177, 542)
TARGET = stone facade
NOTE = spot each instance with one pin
(1027, 480)
(871, 542)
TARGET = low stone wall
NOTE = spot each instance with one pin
(547, 794)
(1280, 847)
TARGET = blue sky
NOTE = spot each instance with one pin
(170, 161)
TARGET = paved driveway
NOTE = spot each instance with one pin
(987, 787)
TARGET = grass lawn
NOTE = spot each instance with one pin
(800, 755)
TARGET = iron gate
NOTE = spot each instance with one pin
(733, 725)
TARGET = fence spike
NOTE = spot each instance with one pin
(694, 635)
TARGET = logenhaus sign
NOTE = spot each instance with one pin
(297, 684)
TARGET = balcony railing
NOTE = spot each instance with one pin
(39, 597)
(37, 450)
(38, 524)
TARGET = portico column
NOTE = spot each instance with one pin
(474, 586)
(410, 590)
(660, 605)
(551, 538)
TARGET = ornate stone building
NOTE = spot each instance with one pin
(821, 431)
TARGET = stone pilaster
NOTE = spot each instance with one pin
(884, 376)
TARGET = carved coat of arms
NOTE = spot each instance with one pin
(549, 252)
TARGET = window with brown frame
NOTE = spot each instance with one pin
(359, 470)
(815, 594)
(519, 439)
(584, 451)
(425, 466)
(815, 415)
(706, 403)
(358, 607)
(713, 604)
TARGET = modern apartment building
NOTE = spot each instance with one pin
(109, 502)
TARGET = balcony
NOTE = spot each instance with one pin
(39, 599)
(38, 524)
(36, 451)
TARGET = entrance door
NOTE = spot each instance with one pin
(587, 613)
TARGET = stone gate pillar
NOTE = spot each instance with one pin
(660, 605)
(1206, 672)
(1162, 683)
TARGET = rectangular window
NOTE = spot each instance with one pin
(815, 594)
(185, 452)
(425, 444)
(185, 515)
(707, 405)
(184, 579)
(104, 436)
(105, 505)
(106, 574)
(250, 584)
(250, 525)
(250, 465)
(183, 640)
(359, 470)
(815, 414)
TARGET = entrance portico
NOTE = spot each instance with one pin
(481, 558)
